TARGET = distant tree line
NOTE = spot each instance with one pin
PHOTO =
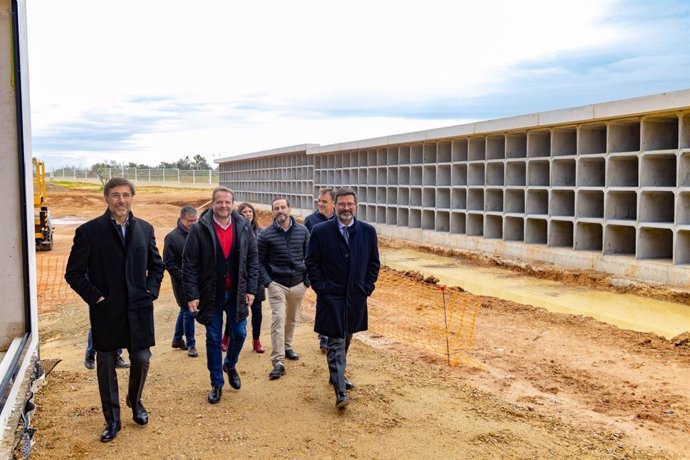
(186, 163)
(197, 162)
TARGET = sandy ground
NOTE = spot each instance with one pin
(533, 384)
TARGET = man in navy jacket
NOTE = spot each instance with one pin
(343, 266)
(115, 267)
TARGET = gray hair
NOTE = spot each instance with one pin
(187, 211)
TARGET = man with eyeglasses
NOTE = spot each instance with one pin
(343, 266)
(115, 267)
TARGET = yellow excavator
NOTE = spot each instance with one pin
(42, 222)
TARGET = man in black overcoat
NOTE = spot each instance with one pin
(343, 266)
(115, 267)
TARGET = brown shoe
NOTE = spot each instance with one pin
(192, 353)
(179, 344)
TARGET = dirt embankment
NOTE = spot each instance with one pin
(537, 385)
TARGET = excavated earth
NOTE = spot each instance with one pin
(534, 384)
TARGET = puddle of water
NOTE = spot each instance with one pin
(70, 220)
(623, 310)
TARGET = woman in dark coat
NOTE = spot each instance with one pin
(249, 213)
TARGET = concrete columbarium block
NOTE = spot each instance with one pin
(475, 199)
(562, 203)
(362, 176)
(392, 175)
(655, 243)
(495, 147)
(429, 175)
(391, 215)
(493, 226)
(362, 194)
(475, 174)
(415, 218)
(658, 170)
(443, 198)
(660, 133)
(381, 195)
(588, 236)
(403, 217)
(458, 198)
(392, 195)
(404, 196)
(681, 252)
(621, 205)
(444, 152)
(624, 136)
(475, 224)
(622, 171)
(428, 197)
(513, 229)
(380, 214)
(683, 208)
(458, 223)
(476, 149)
(429, 153)
(443, 175)
(516, 145)
(459, 150)
(416, 154)
(404, 175)
(537, 201)
(536, 231)
(592, 139)
(563, 173)
(619, 239)
(590, 203)
(656, 206)
(382, 176)
(416, 175)
(493, 200)
(685, 131)
(392, 156)
(561, 233)
(495, 173)
(684, 170)
(538, 173)
(415, 196)
(516, 173)
(459, 174)
(539, 143)
(591, 172)
(514, 201)
(442, 221)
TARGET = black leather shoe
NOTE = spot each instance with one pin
(139, 413)
(120, 363)
(341, 400)
(110, 432)
(277, 371)
(348, 384)
(89, 361)
(215, 394)
(291, 355)
(179, 344)
(323, 344)
(233, 377)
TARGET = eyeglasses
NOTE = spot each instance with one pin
(120, 196)
(346, 205)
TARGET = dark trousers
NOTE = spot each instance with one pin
(107, 381)
(337, 361)
(256, 319)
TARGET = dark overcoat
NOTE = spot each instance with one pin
(127, 273)
(172, 258)
(342, 275)
(199, 271)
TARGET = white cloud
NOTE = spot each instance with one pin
(241, 76)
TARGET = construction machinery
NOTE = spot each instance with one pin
(42, 222)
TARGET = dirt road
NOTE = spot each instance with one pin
(538, 385)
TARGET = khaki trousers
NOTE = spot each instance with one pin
(285, 304)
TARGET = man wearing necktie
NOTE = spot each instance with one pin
(343, 266)
(115, 267)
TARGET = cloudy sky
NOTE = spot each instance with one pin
(155, 80)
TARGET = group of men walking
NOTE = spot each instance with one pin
(218, 265)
